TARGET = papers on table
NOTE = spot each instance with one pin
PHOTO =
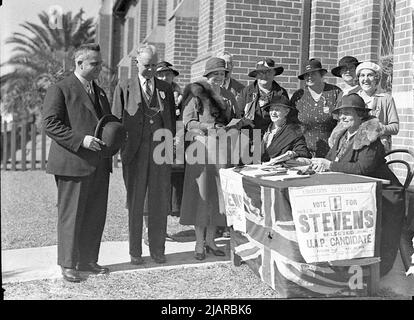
(266, 172)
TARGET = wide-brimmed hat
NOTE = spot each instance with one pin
(266, 64)
(344, 62)
(215, 64)
(281, 101)
(166, 66)
(312, 65)
(368, 65)
(111, 131)
(352, 100)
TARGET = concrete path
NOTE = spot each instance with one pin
(28, 264)
(22, 265)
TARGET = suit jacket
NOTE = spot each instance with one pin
(126, 103)
(69, 115)
(235, 87)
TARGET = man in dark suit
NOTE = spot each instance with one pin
(71, 111)
(230, 84)
(146, 105)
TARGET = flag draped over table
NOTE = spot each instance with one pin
(270, 247)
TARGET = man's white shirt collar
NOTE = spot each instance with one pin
(142, 81)
(84, 82)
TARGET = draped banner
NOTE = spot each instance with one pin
(335, 222)
(266, 239)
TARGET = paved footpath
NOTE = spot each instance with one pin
(20, 265)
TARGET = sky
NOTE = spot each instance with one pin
(15, 12)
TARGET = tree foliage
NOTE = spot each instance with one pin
(41, 56)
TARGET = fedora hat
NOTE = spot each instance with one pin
(264, 65)
(166, 66)
(312, 65)
(215, 64)
(111, 131)
(352, 100)
(281, 101)
(344, 62)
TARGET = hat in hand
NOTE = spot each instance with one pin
(264, 65)
(111, 131)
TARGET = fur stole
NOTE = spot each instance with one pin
(202, 91)
(369, 131)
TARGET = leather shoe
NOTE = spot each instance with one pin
(137, 260)
(200, 256)
(71, 275)
(92, 267)
(216, 252)
(158, 258)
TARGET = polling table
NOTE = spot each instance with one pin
(305, 235)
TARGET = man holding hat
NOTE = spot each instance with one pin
(144, 104)
(260, 92)
(71, 111)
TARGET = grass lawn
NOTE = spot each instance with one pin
(29, 213)
(29, 217)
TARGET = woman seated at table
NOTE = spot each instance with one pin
(283, 138)
(357, 149)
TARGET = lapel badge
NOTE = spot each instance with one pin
(162, 94)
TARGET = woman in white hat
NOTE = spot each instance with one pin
(381, 104)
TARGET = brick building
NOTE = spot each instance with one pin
(188, 32)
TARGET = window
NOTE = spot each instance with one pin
(387, 42)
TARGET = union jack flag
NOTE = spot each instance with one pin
(270, 247)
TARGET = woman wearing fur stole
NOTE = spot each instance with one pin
(356, 148)
(206, 113)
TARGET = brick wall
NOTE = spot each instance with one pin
(143, 18)
(256, 29)
(162, 12)
(160, 49)
(205, 37)
(323, 40)
(181, 46)
(359, 29)
(403, 78)
(130, 34)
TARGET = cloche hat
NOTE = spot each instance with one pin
(368, 65)
(312, 65)
(344, 62)
(214, 64)
(166, 66)
(352, 100)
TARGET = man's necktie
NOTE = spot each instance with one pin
(147, 89)
(89, 89)
(91, 93)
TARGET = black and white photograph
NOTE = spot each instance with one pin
(207, 156)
